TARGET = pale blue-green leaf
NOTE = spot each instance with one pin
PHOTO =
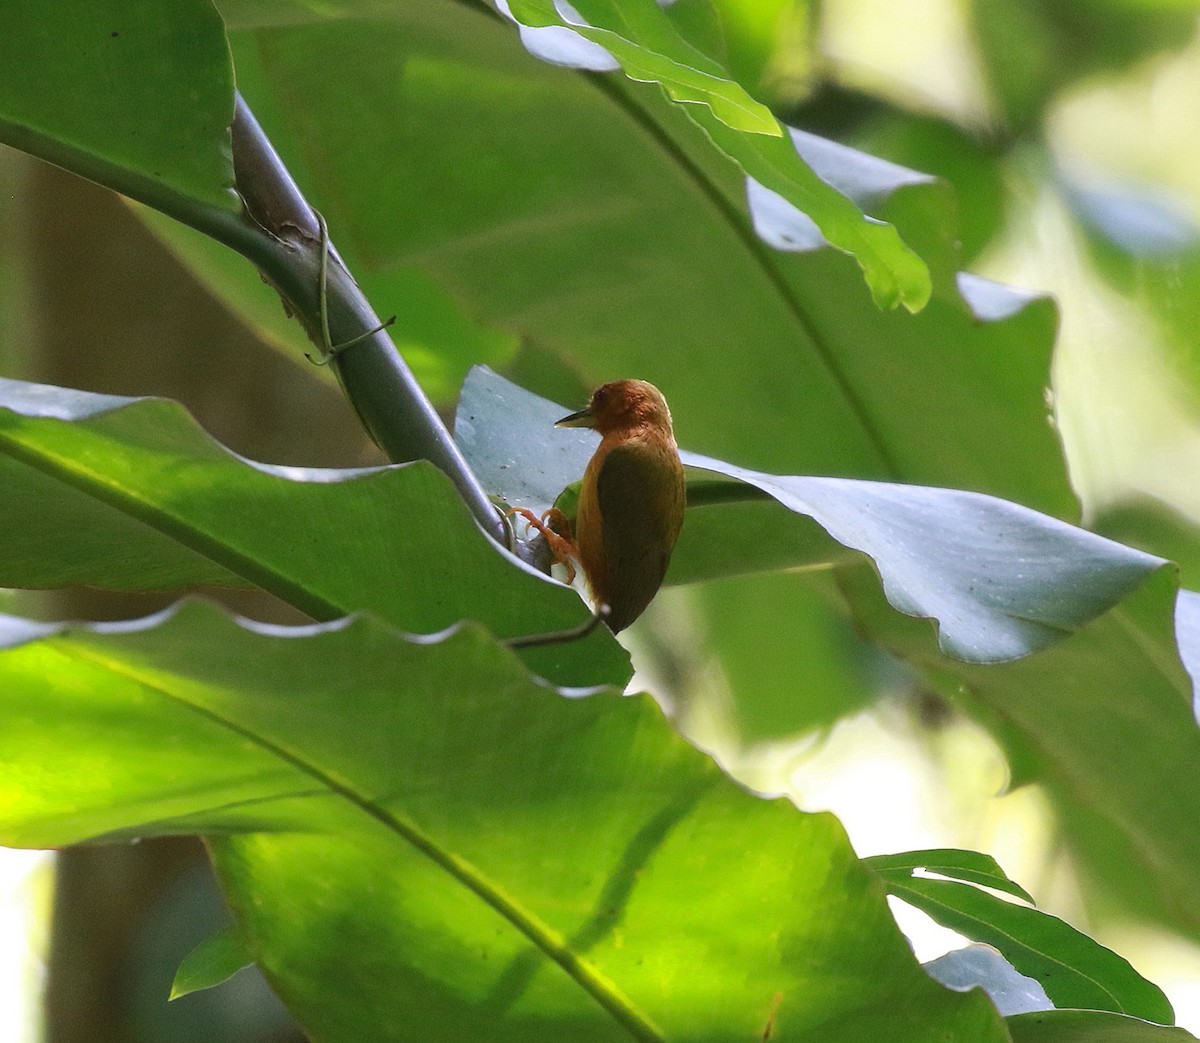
(1000, 580)
(1187, 633)
(983, 966)
(560, 45)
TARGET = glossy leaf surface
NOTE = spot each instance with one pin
(418, 833)
(1000, 580)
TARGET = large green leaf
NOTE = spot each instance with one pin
(643, 40)
(1000, 580)
(603, 228)
(135, 94)
(423, 841)
(130, 494)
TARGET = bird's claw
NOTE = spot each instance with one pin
(561, 546)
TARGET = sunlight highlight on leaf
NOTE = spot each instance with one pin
(407, 824)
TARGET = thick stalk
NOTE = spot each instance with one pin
(376, 379)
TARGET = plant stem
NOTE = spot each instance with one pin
(376, 379)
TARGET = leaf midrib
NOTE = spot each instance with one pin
(134, 504)
(922, 899)
(745, 236)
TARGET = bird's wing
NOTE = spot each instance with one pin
(635, 491)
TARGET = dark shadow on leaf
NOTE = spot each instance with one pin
(610, 905)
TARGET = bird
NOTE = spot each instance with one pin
(631, 502)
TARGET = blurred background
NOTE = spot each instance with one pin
(1068, 133)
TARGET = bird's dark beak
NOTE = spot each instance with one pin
(583, 418)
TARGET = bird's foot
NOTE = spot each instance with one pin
(555, 529)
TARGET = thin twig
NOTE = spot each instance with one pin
(562, 637)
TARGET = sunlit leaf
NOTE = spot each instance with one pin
(969, 866)
(420, 833)
(648, 48)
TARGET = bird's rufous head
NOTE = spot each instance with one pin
(622, 405)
